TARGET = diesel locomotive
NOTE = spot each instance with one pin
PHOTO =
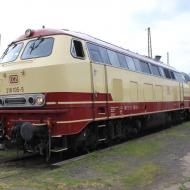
(63, 90)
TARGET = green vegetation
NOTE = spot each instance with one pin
(143, 175)
(177, 132)
(182, 187)
(7, 153)
(3, 186)
(131, 165)
(139, 148)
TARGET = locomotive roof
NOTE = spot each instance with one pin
(86, 37)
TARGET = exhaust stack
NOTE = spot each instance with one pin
(158, 57)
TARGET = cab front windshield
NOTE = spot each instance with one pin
(40, 47)
(11, 53)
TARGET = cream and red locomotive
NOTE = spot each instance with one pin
(64, 90)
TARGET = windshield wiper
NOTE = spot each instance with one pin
(34, 45)
(6, 51)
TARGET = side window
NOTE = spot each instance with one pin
(172, 75)
(94, 52)
(122, 60)
(104, 55)
(130, 63)
(137, 64)
(162, 72)
(155, 70)
(77, 49)
(178, 76)
(167, 73)
(145, 67)
(183, 78)
(113, 58)
(186, 76)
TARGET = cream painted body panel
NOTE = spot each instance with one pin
(186, 88)
(59, 72)
(52, 78)
(138, 87)
(99, 78)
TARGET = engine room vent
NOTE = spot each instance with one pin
(1, 102)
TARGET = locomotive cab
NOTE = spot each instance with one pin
(33, 72)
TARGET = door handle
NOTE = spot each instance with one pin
(96, 94)
(95, 71)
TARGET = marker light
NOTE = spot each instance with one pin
(28, 32)
(40, 100)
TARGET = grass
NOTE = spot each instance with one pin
(129, 166)
(3, 186)
(142, 176)
(104, 172)
(139, 148)
(182, 187)
(7, 153)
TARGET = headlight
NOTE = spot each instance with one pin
(39, 100)
(28, 32)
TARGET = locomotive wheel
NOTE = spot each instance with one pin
(91, 140)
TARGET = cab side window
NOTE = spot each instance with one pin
(113, 58)
(167, 73)
(130, 63)
(95, 54)
(104, 55)
(137, 64)
(122, 60)
(77, 49)
(145, 67)
(155, 70)
(161, 69)
(172, 75)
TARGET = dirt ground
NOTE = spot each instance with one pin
(159, 161)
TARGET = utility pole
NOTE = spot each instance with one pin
(149, 43)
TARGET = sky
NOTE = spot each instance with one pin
(121, 22)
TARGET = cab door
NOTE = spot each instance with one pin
(99, 60)
(100, 91)
(181, 86)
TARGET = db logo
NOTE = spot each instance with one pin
(13, 79)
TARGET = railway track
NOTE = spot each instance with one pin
(103, 149)
(60, 160)
(18, 158)
(77, 158)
